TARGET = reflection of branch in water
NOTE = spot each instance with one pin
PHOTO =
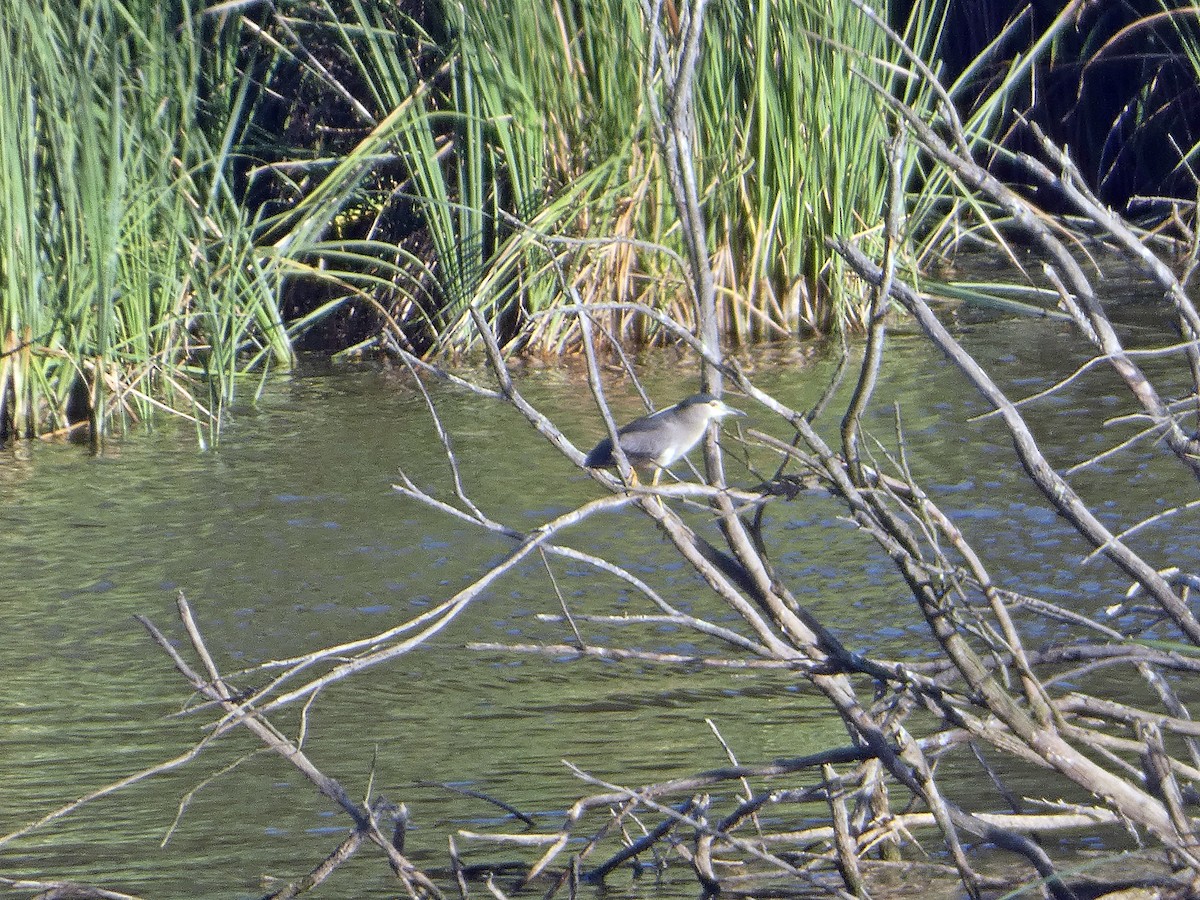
(487, 798)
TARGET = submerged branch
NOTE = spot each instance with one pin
(365, 818)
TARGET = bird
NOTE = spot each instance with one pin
(661, 439)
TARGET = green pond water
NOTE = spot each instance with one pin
(288, 537)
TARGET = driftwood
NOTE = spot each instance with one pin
(989, 694)
(990, 689)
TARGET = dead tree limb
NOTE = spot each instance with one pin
(213, 686)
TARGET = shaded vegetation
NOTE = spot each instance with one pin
(1118, 86)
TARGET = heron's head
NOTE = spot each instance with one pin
(709, 407)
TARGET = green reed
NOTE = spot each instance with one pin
(514, 149)
(129, 283)
(790, 152)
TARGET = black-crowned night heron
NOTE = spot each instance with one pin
(661, 439)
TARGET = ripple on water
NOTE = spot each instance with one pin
(289, 537)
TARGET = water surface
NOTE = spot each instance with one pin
(288, 537)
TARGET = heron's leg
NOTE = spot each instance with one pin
(654, 483)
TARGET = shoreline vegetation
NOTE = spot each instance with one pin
(188, 197)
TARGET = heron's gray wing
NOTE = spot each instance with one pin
(642, 439)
